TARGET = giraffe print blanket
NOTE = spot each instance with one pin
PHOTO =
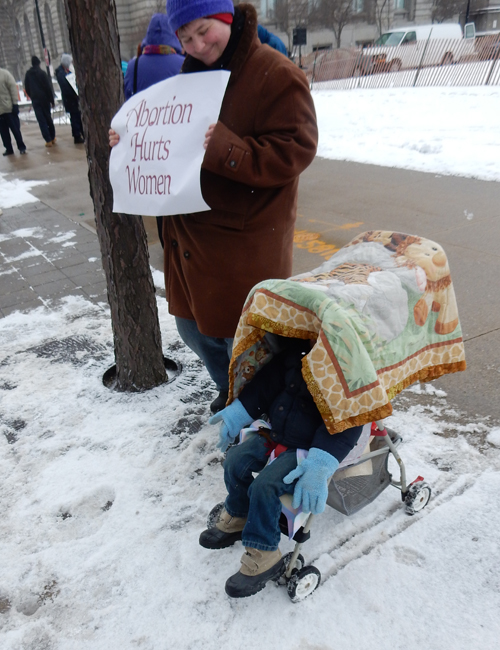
(381, 314)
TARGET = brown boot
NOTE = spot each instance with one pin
(226, 532)
(257, 568)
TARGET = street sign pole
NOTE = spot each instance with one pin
(46, 53)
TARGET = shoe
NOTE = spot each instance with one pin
(257, 568)
(48, 144)
(54, 141)
(8, 153)
(22, 152)
(79, 140)
(225, 533)
(219, 402)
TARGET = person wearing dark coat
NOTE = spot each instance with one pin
(70, 98)
(39, 89)
(159, 58)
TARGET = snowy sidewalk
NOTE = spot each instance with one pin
(104, 494)
(45, 257)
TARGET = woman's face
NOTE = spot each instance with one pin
(205, 39)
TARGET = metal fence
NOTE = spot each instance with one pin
(454, 62)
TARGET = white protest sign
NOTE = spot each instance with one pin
(71, 79)
(155, 168)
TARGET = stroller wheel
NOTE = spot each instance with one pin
(417, 497)
(299, 563)
(214, 514)
(303, 583)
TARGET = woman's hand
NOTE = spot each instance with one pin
(114, 138)
(208, 135)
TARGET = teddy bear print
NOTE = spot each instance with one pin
(438, 295)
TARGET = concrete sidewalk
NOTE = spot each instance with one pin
(337, 201)
(45, 257)
(340, 199)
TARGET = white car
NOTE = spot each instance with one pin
(418, 45)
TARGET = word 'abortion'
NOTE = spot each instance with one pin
(172, 114)
(156, 148)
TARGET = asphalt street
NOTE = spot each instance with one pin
(337, 201)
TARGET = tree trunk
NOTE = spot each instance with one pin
(93, 32)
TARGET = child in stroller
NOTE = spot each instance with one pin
(252, 509)
(376, 317)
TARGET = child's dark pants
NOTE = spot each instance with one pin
(258, 498)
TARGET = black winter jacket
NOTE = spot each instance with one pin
(279, 391)
(69, 97)
(38, 87)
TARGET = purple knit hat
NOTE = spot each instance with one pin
(182, 12)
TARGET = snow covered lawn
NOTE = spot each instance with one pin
(450, 131)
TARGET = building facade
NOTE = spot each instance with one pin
(21, 36)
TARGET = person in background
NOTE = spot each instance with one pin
(39, 89)
(266, 135)
(70, 98)
(159, 57)
(9, 114)
(271, 39)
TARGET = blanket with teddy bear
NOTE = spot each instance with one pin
(381, 314)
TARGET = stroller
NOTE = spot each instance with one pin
(381, 314)
(358, 481)
(354, 485)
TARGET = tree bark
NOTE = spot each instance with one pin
(94, 39)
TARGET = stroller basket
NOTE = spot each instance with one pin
(357, 485)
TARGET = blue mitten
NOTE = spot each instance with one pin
(233, 418)
(311, 490)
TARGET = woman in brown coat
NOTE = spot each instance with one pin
(265, 137)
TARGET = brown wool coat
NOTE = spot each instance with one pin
(265, 137)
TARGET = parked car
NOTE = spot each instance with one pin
(409, 47)
(333, 64)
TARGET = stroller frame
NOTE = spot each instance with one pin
(301, 580)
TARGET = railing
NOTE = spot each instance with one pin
(59, 115)
(453, 62)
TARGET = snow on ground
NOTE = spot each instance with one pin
(16, 192)
(104, 494)
(439, 130)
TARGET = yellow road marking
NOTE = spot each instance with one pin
(348, 226)
(311, 242)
